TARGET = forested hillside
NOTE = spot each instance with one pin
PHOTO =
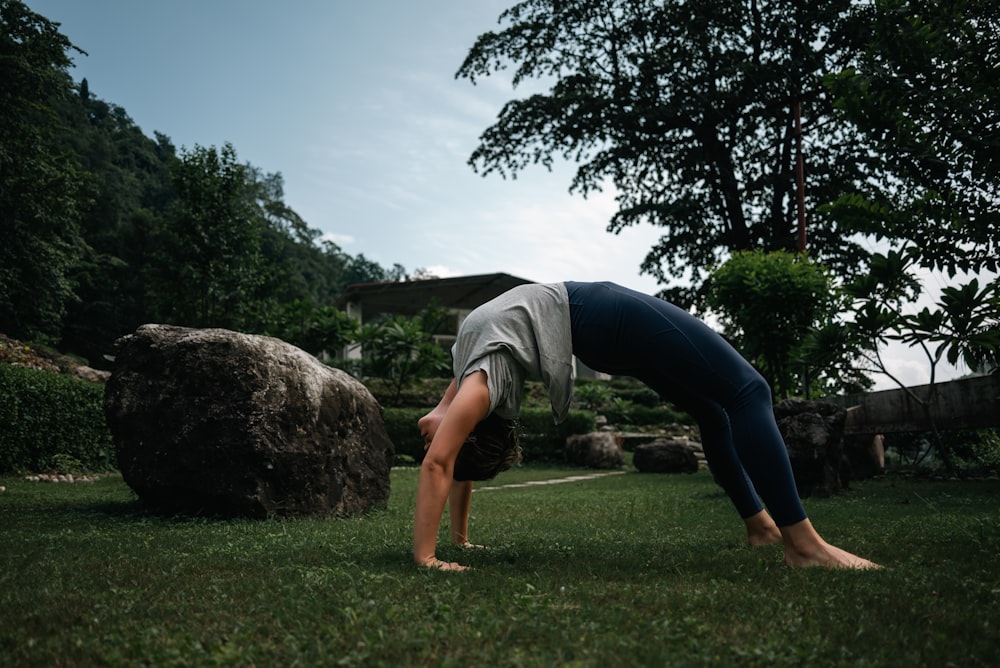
(103, 228)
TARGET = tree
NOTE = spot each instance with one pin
(770, 303)
(39, 182)
(315, 329)
(126, 191)
(688, 110)
(207, 272)
(402, 349)
(926, 94)
(964, 324)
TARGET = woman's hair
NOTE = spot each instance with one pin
(491, 448)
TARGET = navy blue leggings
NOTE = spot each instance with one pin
(623, 332)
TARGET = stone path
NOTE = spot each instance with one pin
(553, 481)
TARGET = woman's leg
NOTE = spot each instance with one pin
(617, 330)
(621, 331)
(717, 444)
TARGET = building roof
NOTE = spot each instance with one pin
(408, 297)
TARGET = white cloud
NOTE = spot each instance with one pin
(440, 271)
(339, 239)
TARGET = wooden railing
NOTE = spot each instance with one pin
(967, 403)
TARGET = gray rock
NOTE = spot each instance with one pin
(596, 450)
(209, 421)
(814, 435)
(665, 455)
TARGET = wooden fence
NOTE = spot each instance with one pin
(967, 403)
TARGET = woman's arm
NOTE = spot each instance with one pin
(470, 404)
(461, 491)
(460, 501)
(428, 424)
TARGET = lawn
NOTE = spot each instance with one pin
(624, 570)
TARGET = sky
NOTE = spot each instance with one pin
(356, 104)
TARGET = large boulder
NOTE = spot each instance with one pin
(814, 435)
(596, 450)
(209, 421)
(666, 455)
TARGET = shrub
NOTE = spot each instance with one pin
(626, 413)
(48, 420)
(593, 395)
(541, 440)
(636, 392)
(975, 449)
(424, 393)
(401, 424)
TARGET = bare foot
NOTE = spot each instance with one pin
(757, 539)
(761, 530)
(472, 546)
(804, 548)
(440, 565)
(829, 556)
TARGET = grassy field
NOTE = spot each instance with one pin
(625, 570)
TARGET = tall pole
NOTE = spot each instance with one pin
(800, 176)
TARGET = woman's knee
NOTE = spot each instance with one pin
(754, 389)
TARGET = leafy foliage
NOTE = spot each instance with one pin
(403, 349)
(687, 111)
(105, 229)
(39, 183)
(315, 329)
(770, 303)
(924, 92)
(963, 325)
(206, 271)
(593, 396)
(47, 417)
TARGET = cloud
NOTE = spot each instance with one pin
(339, 239)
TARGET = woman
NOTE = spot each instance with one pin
(536, 329)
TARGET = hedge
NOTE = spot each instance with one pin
(52, 422)
(541, 440)
(637, 415)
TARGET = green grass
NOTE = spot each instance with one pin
(625, 570)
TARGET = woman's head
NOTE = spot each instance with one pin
(491, 448)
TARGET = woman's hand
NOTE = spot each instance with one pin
(428, 425)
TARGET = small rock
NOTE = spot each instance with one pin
(596, 450)
(666, 456)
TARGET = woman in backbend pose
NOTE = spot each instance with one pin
(536, 329)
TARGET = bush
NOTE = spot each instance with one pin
(592, 395)
(636, 392)
(626, 413)
(401, 424)
(975, 449)
(48, 420)
(424, 393)
(541, 440)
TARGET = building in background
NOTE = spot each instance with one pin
(368, 302)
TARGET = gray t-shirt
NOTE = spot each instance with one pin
(525, 331)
